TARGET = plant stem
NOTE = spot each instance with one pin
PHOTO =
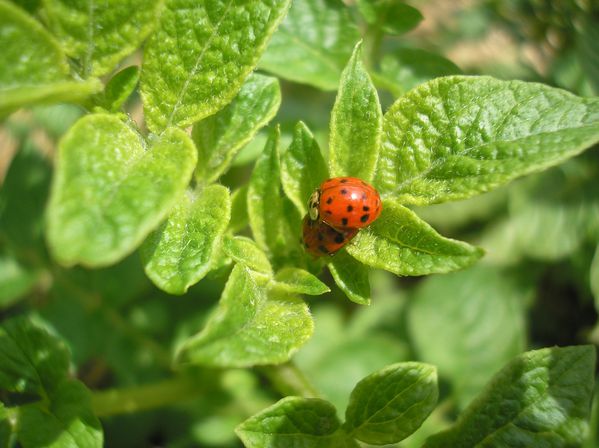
(142, 398)
(288, 379)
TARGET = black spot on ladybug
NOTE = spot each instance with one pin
(328, 212)
(339, 238)
(343, 191)
(343, 181)
(366, 208)
(365, 217)
(323, 249)
(320, 236)
(329, 200)
(344, 221)
(349, 208)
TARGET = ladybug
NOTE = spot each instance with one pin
(320, 239)
(345, 203)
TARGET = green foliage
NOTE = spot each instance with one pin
(351, 277)
(206, 65)
(298, 281)
(120, 86)
(390, 16)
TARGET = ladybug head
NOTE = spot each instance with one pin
(313, 205)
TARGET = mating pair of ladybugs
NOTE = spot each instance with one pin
(336, 211)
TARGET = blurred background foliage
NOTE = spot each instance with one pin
(537, 286)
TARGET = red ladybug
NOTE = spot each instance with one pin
(321, 239)
(345, 203)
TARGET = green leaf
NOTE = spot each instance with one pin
(399, 242)
(220, 137)
(109, 193)
(68, 421)
(405, 68)
(5, 427)
(248, 328)
(295, 280)
(469, 324)
(245, 251)
(120, 87)
(541, 398)
(31, 360)
(265, 205)
(356, 123)
(389, 405)
(239, 209)
(180, 252)
(594, 277)
(303, 167)
(295, 421)
(314, 54)
(99, 34)
(16, 280)
(455, 137)
(207, 64)
(351, 277)
(391, 16)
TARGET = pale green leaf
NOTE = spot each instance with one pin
(295, 280)
(197, 60)
(455, 137)
(399, 242)
(351, 277)
(109, 192)
(99, 34)
(220, 137)
(469, 324)
(239, 209)
(31, 359)
(541, 398)
(295, 421)
(356, 123)
(391, 16)
(245, 251)
(68, 420)
(594, 277)
(390, 404)
(248, 327)
(120, 87)
(303, 167)
(179, 253)
(313, 43)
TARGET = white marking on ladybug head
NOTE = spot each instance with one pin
(313, 205)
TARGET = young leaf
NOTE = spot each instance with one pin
(314, 54)
(541, 398)
(303, 167)
(220, 137)
(36, 69)
(68, 421)
(120, 87)
(31, 360)
(351, 277)
(391, 16)
(389, 405)
(295, 280)
(401, 243)
(265, 205)
(206, 64)
(469, 324)
(245, 251)
(179, 253)
(248, 328)
(99, 34)
(239, 209)
(455, 137)
(295, 421)
(109, 193)
(356, 123)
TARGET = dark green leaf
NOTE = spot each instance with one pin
(401, 243)
(352, 277)
(220, 137)
(541, 398)
(109, 192)
(389, 405)
(313, 43)
(392, 16)
(210, 48)
(180, 252)
(356, 123)
(594, 277)
(455, 137)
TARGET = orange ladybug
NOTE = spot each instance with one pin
(345, 203)
(320, 239)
